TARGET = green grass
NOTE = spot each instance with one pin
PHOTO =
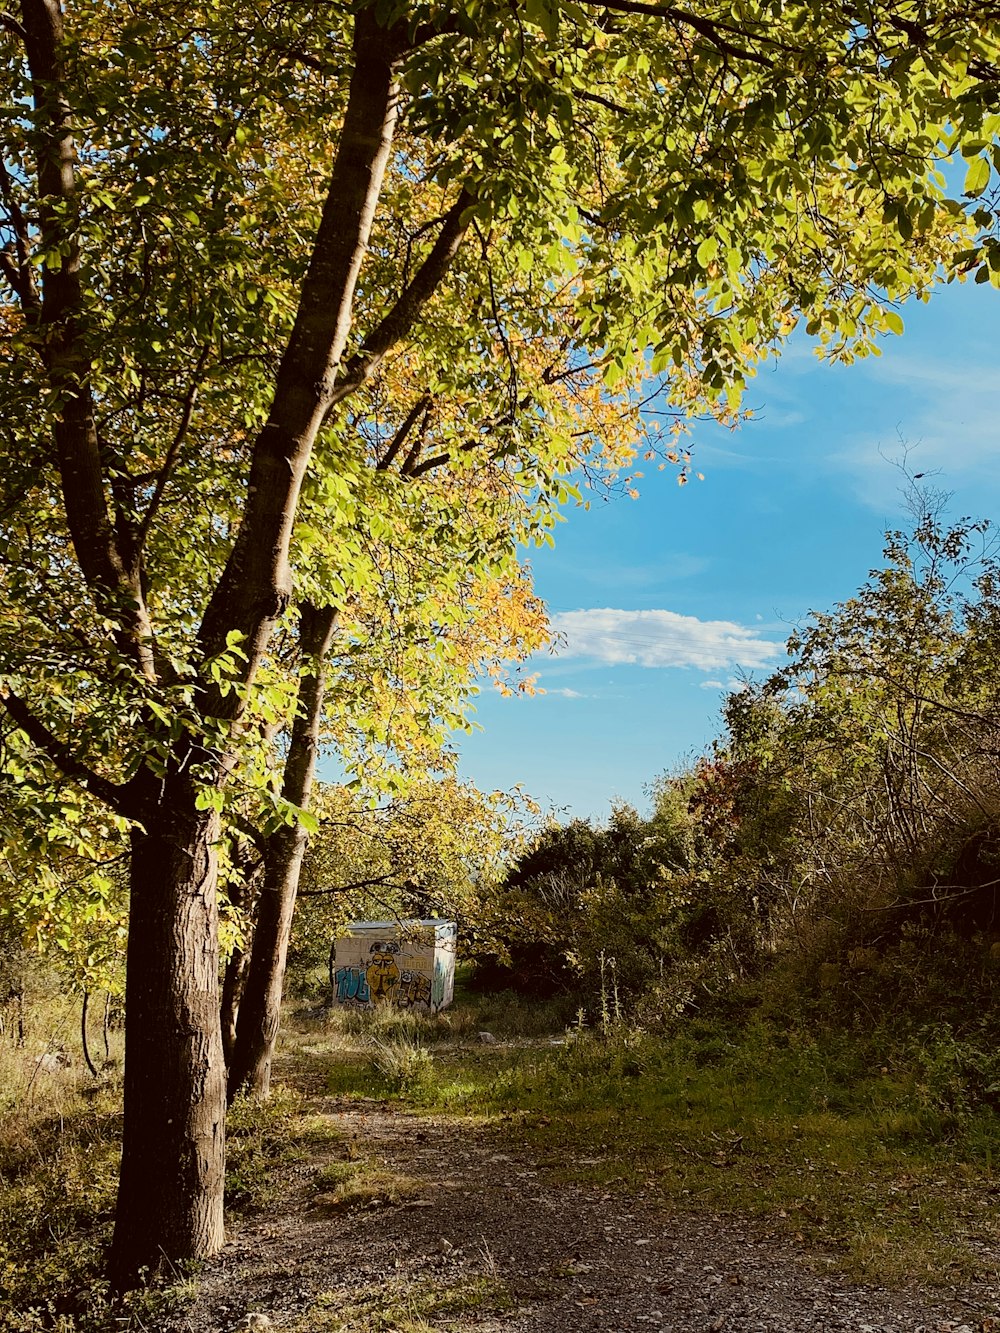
(879, 1155)
(59, 1146)
(361, 1183)
(264, 1137)
(877, 1150)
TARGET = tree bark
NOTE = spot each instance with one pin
(255, 586)
(260, 1007)
(173, 1153)
(172, 1173)
(84, 1007)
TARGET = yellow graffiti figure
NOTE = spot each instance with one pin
(382, 973)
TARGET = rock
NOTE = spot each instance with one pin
(487, 1038)
(52, 1062)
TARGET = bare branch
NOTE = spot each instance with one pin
(399, 439)
(187, 411)
(712, 31)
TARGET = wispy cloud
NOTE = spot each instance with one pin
(946, 423)
(567, 694)
(671, 566)
(660, 639)
(711, 685)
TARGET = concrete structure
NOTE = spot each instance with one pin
(407, 963)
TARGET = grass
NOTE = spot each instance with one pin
(262, 1138)
(878, 1151)
(59, 1145)
(361, 1183)
(873, 1151)
(407, 1308)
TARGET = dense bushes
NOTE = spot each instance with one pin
(836, 856)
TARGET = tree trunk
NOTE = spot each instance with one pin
(234, 983)
(84, 1007)
(234, 979)
(173, 1152)
(171, 1186)
(260, 1009)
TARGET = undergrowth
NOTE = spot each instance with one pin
(420, 1308)
(60, 1136)
(877, 1149)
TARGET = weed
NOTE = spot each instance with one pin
(360, 1183)
(396, 1307)
(405, 1066)
(831, 1138)
(262, 1138)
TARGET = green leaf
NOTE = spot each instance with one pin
(977, 177)
(707, 251)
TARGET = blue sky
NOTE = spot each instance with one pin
(663, 600)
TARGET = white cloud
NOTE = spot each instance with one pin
(567, 694)
(711, 685)
(659, 639)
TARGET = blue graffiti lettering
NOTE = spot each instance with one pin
(351, 985)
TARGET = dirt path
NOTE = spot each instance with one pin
(485, 1228)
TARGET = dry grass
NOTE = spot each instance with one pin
(405, 1308)
(840, 1142)
(360, 1183)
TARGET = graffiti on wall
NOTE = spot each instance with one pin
(411, 965)
(351, 985)
(381, 979)
(414, 989)
(383, 973)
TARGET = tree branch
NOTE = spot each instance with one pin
(251, 832)
(598, 100)
(62, 756)
(187, 411)
(403, 315)
(399, 439)
(255, 586)
(380, 880)
(707, 28)
(9, 22)
(17, 267)
(104, 552)
(429, 464)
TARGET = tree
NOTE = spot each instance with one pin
(901, 677)
(221, 222)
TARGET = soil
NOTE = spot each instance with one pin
(571, 1258)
